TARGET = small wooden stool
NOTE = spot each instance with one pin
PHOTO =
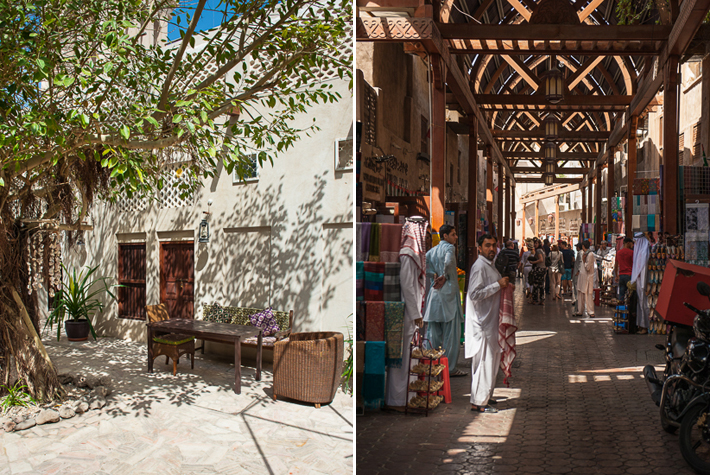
(171, 345)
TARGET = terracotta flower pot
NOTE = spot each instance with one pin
(77, 330)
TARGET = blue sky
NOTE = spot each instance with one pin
(209, 18)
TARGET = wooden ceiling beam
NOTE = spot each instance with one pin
(525, 72)
(563, 136)
(582, 72)
(540, 100)
(560, 156)
(520, 8)
(557, 180)
(589, 9)
(555, 33)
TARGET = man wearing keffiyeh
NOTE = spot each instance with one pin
(412, 282)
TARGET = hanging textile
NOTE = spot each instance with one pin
(375, 235)
(375, 321)
(360, 319)
(363, 241)
(394, 325)
(390, 241)
(359, 281)
(391, 285)
(506, 333)
(373, 381)
(374, 281)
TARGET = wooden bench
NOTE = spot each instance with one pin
(240, 316)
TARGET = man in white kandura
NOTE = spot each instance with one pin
(412, 257)
(443, 303)
(482, 320)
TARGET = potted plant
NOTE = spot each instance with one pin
(75, 304)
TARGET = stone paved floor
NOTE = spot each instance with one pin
(191, 423)
(576, 404)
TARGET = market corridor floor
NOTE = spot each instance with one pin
(576, 404)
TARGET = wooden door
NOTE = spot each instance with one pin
(177, 278)
(131, 277)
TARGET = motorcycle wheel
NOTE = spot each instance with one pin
(694, 438)
(665, 421)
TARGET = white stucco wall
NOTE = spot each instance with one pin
(283, 241)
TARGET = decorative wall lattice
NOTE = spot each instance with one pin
(170, 195)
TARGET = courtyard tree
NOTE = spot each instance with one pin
(95, 103)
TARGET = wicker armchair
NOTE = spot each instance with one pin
(308, 367)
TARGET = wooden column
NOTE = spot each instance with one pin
(610, 189)
(590, 203)
(438, 142)
(598, 206)
(489, 186)
(630, 175)
(557, 218)
(584, 204)
(536, 231)
(670, 146)
(513, 213)
(506, 215)
(524, 221)
(705, 106)
(472, 222)
(501, 218)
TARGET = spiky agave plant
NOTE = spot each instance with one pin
(76, 301)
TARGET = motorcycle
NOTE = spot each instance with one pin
(686, 371)
(694, 434)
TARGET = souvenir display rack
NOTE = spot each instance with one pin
(608, 295)
(621, 319)
(429, 382)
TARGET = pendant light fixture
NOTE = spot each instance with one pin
(554, 83)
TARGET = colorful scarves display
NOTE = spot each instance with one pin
(506, 333)
(363, 241)
(374, 321)
(359, 281)
(374, 281)
(375, 236)
(390, 240)
(394, 326)
(391, 287)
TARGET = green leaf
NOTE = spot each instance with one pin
(152, 121)
(125, 132)
(177, 119)
(84, 120)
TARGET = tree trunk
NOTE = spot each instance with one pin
(23, 355)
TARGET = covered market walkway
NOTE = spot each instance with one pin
(576, 404)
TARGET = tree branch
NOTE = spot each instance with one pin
(178, 58)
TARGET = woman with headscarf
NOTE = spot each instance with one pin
(527, 266)
(412, 258)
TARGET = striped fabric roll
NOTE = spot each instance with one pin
(374, 281)
(359, 281)
(363, 241)
(391, 287)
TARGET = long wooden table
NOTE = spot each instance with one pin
(211, 331)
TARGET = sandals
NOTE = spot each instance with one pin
(482, 409)
(457, 373)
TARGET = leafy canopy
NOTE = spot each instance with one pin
(94, 98)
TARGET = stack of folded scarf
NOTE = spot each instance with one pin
(374, 281)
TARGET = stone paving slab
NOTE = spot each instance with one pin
(577, 404)
(191, 423)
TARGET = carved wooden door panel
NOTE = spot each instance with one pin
(177, 278)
